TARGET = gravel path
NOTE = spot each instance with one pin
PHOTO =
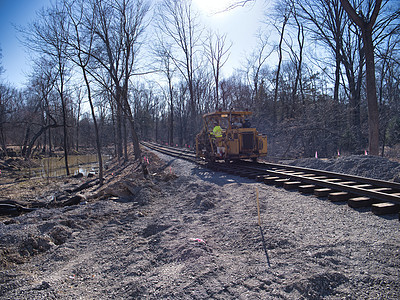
(197, 237)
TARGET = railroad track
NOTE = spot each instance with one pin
(382, 196)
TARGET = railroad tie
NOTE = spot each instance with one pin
(382, 189)
(348, 182)
(333, 180)
(319, 177)
(338, 196)
(385, 208)
(359, 202)
(280, 182)
(323, 192)
(260, 178)
(291, 185)
(307, 189)
(298, 173)
(310, 175)
(363, 186)
(270, 179)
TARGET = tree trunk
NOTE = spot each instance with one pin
(96, 127)
(366, 27)
(274, 113)
(373, 111)
(77, 126)
(50, 143)
(25, 144)
(171, 122)
(118, 135)
(125, 137)
(3, 140)
(36, 136)
(65, 130)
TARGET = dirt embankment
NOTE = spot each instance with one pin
(190, 233)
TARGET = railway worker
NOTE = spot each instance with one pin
(237, 123)
(217, 139)
(217, 131)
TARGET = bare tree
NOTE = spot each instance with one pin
(217, 54)
(325, 20)
(80, 42)
(1, 65)
(255, 63)
(298, 58)
(6, 107)
(238, 3)
(180, 24)
(163, 53)
(366, 24)
(329, 26)
(286, 10)
(47, 35)
(118, 28)
(78, 112)
(42, 83)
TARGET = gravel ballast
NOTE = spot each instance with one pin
(196, 236)
(361, 165)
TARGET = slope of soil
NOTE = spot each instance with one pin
(190, 233)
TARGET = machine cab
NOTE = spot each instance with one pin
(234, 139)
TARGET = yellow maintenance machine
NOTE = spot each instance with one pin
(228, 135)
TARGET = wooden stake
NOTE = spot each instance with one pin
(258, 208)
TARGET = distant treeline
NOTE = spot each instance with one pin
(114, 72)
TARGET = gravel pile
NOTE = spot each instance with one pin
(362, 165)
(196, 236)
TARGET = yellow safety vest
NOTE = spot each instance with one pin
(217, 131)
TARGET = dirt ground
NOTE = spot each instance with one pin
(191, 233)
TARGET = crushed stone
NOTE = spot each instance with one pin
(195, 236)
(361, 165)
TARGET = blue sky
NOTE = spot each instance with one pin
(15, 59)
(240, 25)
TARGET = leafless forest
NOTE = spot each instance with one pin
(324, 77)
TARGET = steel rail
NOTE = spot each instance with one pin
(358, 179)
(188, 155)
(338, 186)
(319, 178)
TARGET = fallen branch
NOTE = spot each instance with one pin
(13, 209)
